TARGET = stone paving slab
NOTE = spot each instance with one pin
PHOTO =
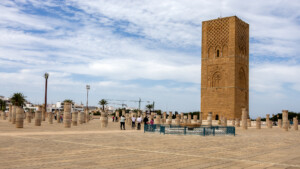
(90, 146)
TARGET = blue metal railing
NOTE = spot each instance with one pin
(183, 130)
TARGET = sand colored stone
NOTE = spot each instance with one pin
(177, 120)
(19, 117)
(3, 115)
(104, 119)
(38, 116)
(10, 113)
(189, 118)
(233, 122)
(13, 116)
(267, 119)
(237, 122)
(244, 118)
(209, 119)
(118, 116)
(157, 119)
(28, 116)
(248, 122)
(67, 115)
(195, 118)
(258, 123)
(225, 67)
(50, 117)
(285, 121)
(279, 123)
(170, 118)
(80, 117)
(74, 118)
(270, 125)
(295, 123)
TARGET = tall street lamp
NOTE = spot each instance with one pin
(46, 75)
(87, 97)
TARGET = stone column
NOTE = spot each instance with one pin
(185, 120)
(279, 123)
(164, 117)
(13, 116)
(117, 116)
(249, 122)
(224, 121)
(157, 120)
(195, 118)
(28, 116)
(80, 117)
(43, 113)
(189, 118)
(67, 115)
(50, 117)
(104, 119)
(295, 123)
(270, 125)
(209, 119)
(233, 122)
(170, 118)
(3, 115)
(267, 120)
(244, 119)
(237, 122)
(200, 118)
(285, 121)
(258, 123)
(84, 116)
(177, 120)
(19, 117)
(10, 113)
(74, 118)
(38, 116)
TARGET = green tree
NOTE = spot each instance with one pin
(149, 106)
(2, 105)
(103, 102)
(68, 101)
(18, 99)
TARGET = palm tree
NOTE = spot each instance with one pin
(68, 101)
(103, 102)
(18, 99)
(149, 106)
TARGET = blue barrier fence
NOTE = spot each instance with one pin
(203, 130)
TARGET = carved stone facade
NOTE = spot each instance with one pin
(225, 67)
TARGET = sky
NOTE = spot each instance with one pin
(131, 49)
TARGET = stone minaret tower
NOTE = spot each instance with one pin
(225, 67)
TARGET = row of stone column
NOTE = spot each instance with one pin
(16, 116)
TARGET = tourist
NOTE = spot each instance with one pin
(122, 122)
(113, 118)
(55, 116)
(139, 120)
(146, 120)
(152, 122)
(133, 122)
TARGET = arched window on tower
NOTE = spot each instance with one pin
(216, 80)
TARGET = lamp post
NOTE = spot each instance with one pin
(87, 97)
(46, 75)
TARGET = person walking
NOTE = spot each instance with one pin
(132, 122)
(122, 122)
(113, 118)
(139, 120)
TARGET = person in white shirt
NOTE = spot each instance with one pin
(122, 122)
(133, 122)
(139, 120)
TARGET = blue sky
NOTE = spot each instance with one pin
(149, 49)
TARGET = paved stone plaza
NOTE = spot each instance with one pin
(90, 146)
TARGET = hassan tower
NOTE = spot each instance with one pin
(225, 67)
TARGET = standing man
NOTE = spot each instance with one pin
(139, 120)
(133, 122)
(122, 122)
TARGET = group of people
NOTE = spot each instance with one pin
(135, 120)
